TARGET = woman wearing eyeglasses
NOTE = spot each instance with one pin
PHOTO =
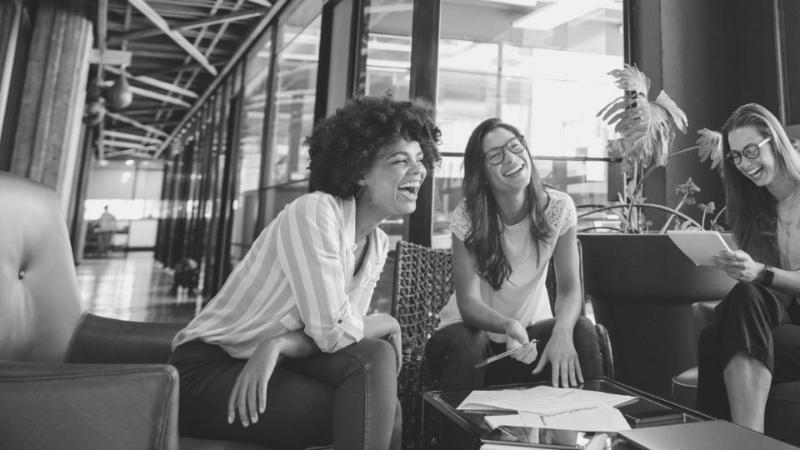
(754, 340)
(505, 231)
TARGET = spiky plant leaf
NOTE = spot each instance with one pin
(710, 146)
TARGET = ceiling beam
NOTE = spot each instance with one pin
(232, 61)
(213, 20)
(261, 2)
(155, 83)
(130, 137)
(126, 145)
(162, 24)
(159, 96)
(136, 123)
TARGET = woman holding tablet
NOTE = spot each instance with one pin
(754, 340)
(505, 231)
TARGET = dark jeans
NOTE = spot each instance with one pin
(453, 351)
(750, 319)
(348, 397)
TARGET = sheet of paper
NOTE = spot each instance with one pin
(699, 246)
(599, 418)
(541, 400)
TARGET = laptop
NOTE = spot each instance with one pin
(710, 435)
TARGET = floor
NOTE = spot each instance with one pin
(132, 286)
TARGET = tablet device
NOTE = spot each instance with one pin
(701, 245)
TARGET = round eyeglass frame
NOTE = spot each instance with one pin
(750, 151)
(490, 155)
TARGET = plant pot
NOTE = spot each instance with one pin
(642, 288)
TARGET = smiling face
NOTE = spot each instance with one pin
(391, 184)
(764, 169)
(514, 173)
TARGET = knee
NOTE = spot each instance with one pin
(374, 356)
(458, 340)
(743, 297)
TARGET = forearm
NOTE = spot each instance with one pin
(378, 326)
(481, 316)
(296, 344)
(567, 310)
(786, 281)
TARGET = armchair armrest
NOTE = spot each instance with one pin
(88, 406)
(103, 340)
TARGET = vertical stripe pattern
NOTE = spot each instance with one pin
(297, 275)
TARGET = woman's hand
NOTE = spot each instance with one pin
(560, 352)
(249, 395)
(739, 265)
(516, 337)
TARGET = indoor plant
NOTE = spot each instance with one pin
(641, 285)
(646, 132)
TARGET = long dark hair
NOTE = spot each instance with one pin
(485, 237)
(752, 210)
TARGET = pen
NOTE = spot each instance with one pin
(499, 356)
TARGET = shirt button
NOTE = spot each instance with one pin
(339, 321)
(21, 274)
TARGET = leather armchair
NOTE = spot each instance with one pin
(69, 379)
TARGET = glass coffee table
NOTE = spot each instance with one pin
(648, 411)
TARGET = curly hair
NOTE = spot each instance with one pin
(344, 146)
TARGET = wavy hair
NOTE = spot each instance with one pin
(752, 210)
(343, 146)
(485, 236)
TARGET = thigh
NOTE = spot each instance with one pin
(457, 341)
(299, 407)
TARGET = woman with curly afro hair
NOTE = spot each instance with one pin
(285, 355)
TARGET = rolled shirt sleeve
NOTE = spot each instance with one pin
(309, 250)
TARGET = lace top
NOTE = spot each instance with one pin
(523, 295)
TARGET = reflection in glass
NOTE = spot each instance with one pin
(541, 66)
(292, 111)
(251, 126)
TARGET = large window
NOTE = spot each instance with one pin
(292, 111)
(385, 63)
(541, 66)
(251, 127)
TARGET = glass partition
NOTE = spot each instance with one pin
(541, 66)
(292, 111)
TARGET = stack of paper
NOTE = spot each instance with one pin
(549, 407)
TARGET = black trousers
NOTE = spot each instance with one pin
(754, 320)
(348, 397)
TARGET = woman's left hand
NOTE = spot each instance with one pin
(248, 397)
(560, 353)
(739, 265)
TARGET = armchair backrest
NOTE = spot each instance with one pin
(39, 295)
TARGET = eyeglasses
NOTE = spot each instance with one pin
(496, 155)
(750, 151)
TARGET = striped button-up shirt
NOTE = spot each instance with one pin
(297, 275)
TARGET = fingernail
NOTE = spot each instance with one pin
(245, 423)
(230, 420)
(254, 418)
